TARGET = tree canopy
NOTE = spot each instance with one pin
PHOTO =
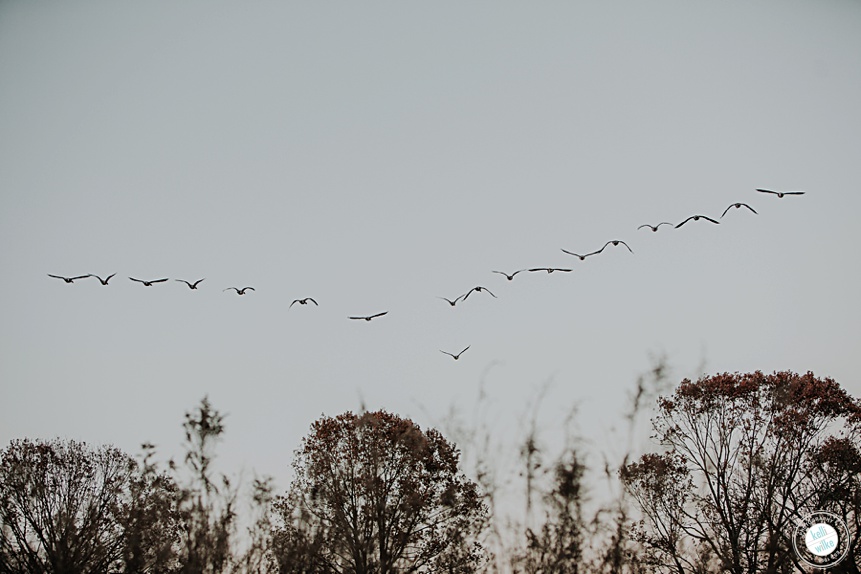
(374, 493)
(746, 457)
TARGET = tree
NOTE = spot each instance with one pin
(746, 456)
(149, 519)
(557, 547)
(374, 494)
(66, 507)
(206, 510)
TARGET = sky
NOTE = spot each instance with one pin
(379, 155)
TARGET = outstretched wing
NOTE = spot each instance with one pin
(575, 254)
(378, 315)
(138, 280)
(159, 280)
(685, 221)
(312, 301)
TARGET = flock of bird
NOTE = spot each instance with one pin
(477, 288)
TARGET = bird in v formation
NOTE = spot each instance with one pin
(780, 193)
(150, 282)
(507, 276)
(613, 242)
(478, 288)
(697, 218)
(105, 280)
(369, 317)
(68, 279)
(240, 291)
(452, 355)
(549, 269)
(191, 285)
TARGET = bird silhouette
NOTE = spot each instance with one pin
(614, 243)
(105, 280)
(149, 283)
(479, 289)
(450, 302)
(191, 285)
(549, 269)
(369, 317)
(737, 206)
(780, 193)
(452, 355)
(68, 279)
(582, 257)
(507, 276)
(303, 301)
(654, 227)
(240, 291)
(697, 218)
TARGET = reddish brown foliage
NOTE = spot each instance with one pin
(747, 454)
(375, 493)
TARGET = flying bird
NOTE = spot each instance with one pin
(149, 283)
(737, 206)
(780, 193)
(105, 280)
(191, 285)
(453, 356)
(369, 317)
(654, 227)
(697, 218)
(614, 242)
(507, 276)
(303, 301)
(450, 302)
(240, 291)
(478, 289)
(582, 257)
(549, 269)
(68, 279)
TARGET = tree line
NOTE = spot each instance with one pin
(737, 461)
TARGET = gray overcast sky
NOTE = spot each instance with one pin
(378, 155)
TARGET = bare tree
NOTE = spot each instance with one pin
(59, 509)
